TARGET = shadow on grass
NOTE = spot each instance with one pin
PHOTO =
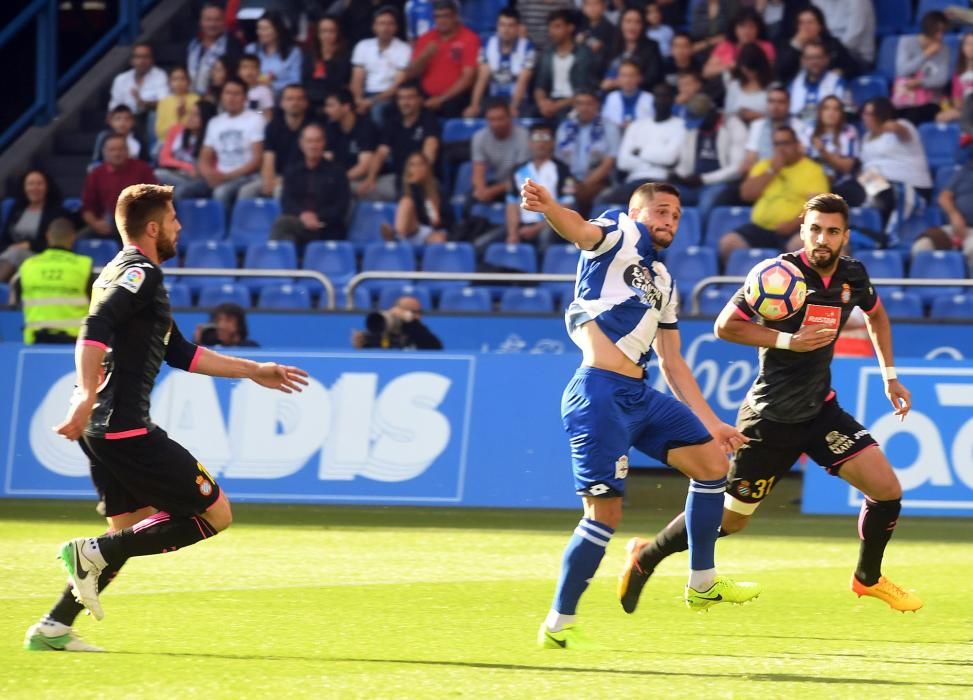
(768, 677)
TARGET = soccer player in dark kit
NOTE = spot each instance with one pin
(157, 496)
(791, 409)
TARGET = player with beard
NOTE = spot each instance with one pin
(791, 408)
(157, 496)
(625, 307)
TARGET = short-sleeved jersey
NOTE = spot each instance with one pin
(791, 387)
(130, 315)
(624, 287)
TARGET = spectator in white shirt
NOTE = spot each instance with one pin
(378, 65)
(232, 150)
(506, 65)
(746, 91)
(853, 23)
(814, 83)
(629, 102)
(260, 98)
(141, 87)
(650, 147)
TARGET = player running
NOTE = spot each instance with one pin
(791, 409)
(157, 497)
(625, 308)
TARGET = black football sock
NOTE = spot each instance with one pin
(671, 539)
(67, 609)
(875, 526)
(156, 534)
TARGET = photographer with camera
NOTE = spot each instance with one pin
(399, 327)
(227, 327)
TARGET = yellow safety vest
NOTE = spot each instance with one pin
(54, 289)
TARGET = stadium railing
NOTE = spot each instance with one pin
(876, 281)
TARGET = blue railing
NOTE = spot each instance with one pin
(48, 84)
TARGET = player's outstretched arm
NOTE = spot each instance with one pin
(269, 374)
(568, 224)
(880, 331)
(732, 326)
(679, 377)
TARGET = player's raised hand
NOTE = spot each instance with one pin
(729, 438)
(812, 337)
(76, 420)
(535, 197)
(900, 397)
(281, 377)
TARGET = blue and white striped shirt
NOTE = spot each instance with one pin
(624, 287)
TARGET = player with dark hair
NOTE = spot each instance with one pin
(625, 307)
(791, 408)
(157, 496)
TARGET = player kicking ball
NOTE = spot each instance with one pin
(157, 497)
(625, 307)
(791, 408)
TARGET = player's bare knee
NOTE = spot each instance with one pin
(734, 522)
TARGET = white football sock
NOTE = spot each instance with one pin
(555, 620)
(701, 581)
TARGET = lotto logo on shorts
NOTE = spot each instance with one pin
(838, 443)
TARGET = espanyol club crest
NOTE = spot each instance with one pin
(845, 293)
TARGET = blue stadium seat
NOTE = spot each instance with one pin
(6, 206)
(900, 304)
(742, 259)
(908, 231)
(180, 296)
(882, 263)
(4, 294)
(865, 87)
(269, 255)
(723, 220)
(462, 184)
(941, 142)
(100, 250)
(953, 306)
(447, 257)
(561, 259)
(689, 266)
(229, 293)
(456, 130)
(475, 299)
(892, 16)
(690, 231)
(216, 254)
(389, 295)
(390, 256)
(944, 173)
(252, 220)
(712, 300)
(517, 256)
(885, 62)
(526, 300)
(495, 213)
(72, 204)
(201, 219)
(361, 299)
(366, 223)
(335, 260)
(284, 297)
(937, 264)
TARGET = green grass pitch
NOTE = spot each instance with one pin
(343, 602)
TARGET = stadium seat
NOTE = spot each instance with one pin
(944, 174)
(366, 223)
(742, 259)
(952, 306)
(937, 264)
(712, 300)
(335, 260)
(900, 304)
(230, 293)
(100, 250)
(269, 255)
(72, 204)
(389, 295)
(180, 296)
(201, 219)
(495, 213)
(361, 299)
(284, 297)
(388, 256)
(516, 256)
(892, 17)
(215, 254)
(4, 294)
(882, 263)
(252, 220)
(722, 220)
(474, 299)
(941, 142)
(6, 206)
(865, 87)
(560, 259)
(689, 266)
(455, 130)
(690, 231)
(885, 61)
(906, 232)
(526, 300)
(447, 257)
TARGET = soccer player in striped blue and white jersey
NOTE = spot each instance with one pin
(624, 309)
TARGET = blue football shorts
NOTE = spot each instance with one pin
(605, 414)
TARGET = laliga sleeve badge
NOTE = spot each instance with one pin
(621, 467)
(132, 279)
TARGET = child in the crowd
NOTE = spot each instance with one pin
(120, 120)
(260, 98)
(658, 31)
(629, 102)
(174, 107)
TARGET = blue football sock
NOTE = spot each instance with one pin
(581, 559)
(704, 514)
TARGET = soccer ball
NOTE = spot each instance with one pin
(775, 289)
